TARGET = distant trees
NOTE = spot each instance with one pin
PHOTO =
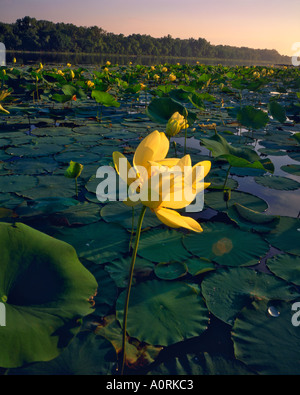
(29, 34)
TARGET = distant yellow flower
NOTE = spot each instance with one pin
(90, 84)
(156, 77)
(72, 74)
(175, 124)
(108, 63)
(164, 69)
(3, 110)
(172, 77)
(256, 74)
(152, 68)
(60, 72)
(14, 60)
(105, 70)
(143, 86)
(69, 65)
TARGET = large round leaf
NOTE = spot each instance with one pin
(163, 312)
(88, 354)
(99, 242)
(286, 235)
(45, 289)
(268, 343)
(215, 200)
(226, 245)
(200, 365)
(227, 291)
(160, 245)
(286, 266)
(277, 182)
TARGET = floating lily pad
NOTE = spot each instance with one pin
(50, 186)
(17, 183)
(95, 355)
(248, 219)
(201, 365)
(160, 305)
(286, 235)
(267, 343)
(198, 266)
(99, 242)
(35, 150)
(215, 200)
(277, 182)
(227, 291)
(119, 270)
(286, 266)
(226, 245)
(32, 166)
(170, 270)
(159, 245)
(291, 169)
(48, 290)
(118, 212)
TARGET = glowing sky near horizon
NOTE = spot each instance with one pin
(272, 24)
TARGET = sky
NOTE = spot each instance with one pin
(271, 24)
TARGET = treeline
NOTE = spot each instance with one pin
(29, 34)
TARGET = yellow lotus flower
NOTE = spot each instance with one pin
(105, 70)
(14, 60)
(152, 68)
(172, 77)
(3, 110)
(90, 84)
(150, 155)
(108, 63)
(69, 65)
(60, 72)
(72, 74)
(164, 69)
(156, 77)
(175, 124)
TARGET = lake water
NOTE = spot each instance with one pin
(100, 59)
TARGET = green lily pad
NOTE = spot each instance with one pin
(198, 266)
(277, 182)
(119, 270)
(35, 150)
(118, 212)
(30, 166)
(286, 266)
(227, 291)
(17, 183)
(46, 290)
(95, 355)
(201, 365)
(215, 201)
(170, 270)
(267, 343)
(160, 306)
(291, 169)
(248, 219)
(50, 186)
(159, 245)
(226, 245)
(286, 235)
(99, 242)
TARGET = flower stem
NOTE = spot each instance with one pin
(136, 244)
(132, 229)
